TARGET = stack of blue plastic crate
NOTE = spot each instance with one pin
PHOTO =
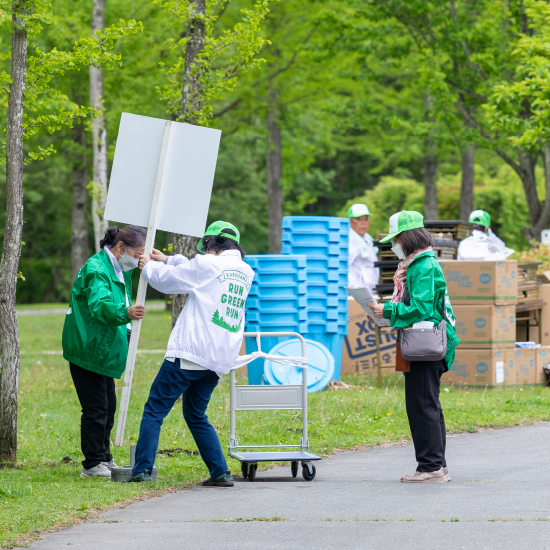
(276, 302)
(325, 243)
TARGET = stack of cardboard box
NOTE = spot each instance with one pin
(484, 297)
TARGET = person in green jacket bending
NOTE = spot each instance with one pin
(95, 339)
(419, 294)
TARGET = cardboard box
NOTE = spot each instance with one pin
(491, 368)
(542, 356)
(483, 327)
(359, 353)
(525, 367)
(481, 283)
(544, 294)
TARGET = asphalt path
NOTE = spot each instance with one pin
(498, 498)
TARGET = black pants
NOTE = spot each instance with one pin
(425, 414)
(97, 397)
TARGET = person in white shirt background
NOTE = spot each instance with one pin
(203, 345)
(362, 252)
(483, 244)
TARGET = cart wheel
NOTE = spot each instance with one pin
(252, 472)
(244, 469)
(305, 473)
(294, 468)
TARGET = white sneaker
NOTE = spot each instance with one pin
(97, 471)
(111, 464)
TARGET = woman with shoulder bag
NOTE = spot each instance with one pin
(421, 309)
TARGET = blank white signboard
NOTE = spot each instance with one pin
(187, 181)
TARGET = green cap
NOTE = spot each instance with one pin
(217, 228)
(480, 217)
(358, 210)
(403, 221)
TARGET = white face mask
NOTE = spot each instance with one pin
(398, 251)
(127, 262)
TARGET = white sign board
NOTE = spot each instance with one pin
(187, 179)
(545, 237)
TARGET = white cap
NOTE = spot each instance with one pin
(358, 210)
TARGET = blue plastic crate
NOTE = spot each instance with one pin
(328, 327)
(325, 239)
(317, 276)
(326, 302)
(315, 224)
(283, 316)
(275, 304)
(324, 289)
(281, 276)
(332, 262)
(327, 316)
(271, 262)
(311, 250)
(277, 290)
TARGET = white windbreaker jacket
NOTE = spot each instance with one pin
(210, 329)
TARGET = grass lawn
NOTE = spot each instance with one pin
(42, 491)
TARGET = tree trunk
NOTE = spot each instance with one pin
(430, 169)
(544, 218)
(191, 103)
(79, 219)
(526, 173)
(99, 190)
(11, 252)
(274, 174)
(467, 189)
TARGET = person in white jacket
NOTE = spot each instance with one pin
(362, 252)
(203, 345)
(483, 244)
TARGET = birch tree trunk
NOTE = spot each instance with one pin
(274, 161)
(191, 102)
(11, 252)
(79, 219)
(99, 190)
(467, 188)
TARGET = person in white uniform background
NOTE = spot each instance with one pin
(483, 244)
(362, 252)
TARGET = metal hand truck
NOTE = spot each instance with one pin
(262, 398)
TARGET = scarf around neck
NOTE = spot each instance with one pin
(400, 277)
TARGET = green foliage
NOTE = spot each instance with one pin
(519, 108)
(226, 54)
(46, 107)
(501, 195)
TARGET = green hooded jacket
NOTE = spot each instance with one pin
(427, 288)
(95, 334)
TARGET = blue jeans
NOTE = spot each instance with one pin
(197, 387)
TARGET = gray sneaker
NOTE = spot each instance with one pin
(97, 471)
(111, 464)
(439, 476)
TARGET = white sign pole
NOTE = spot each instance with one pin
(142, 288)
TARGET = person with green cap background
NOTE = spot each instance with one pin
(203, 345)
(483, 244)
(420, 294)
(362, 252)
